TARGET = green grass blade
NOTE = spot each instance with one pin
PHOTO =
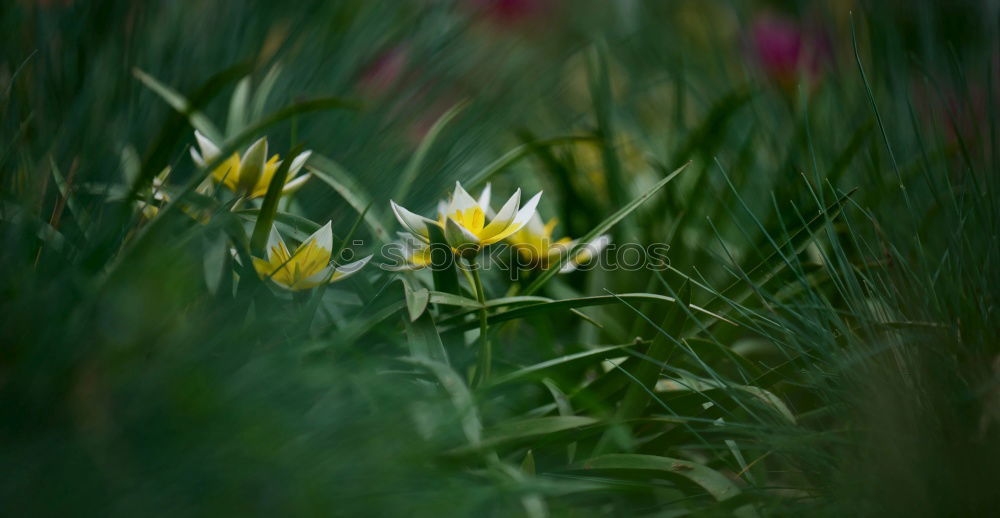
(601, 228)
(332, 174)
(412, 169)
(180, 103)
(268, 209)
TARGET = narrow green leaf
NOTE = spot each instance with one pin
(449, 299)
(637, 395)
(545, 307)
(331, 173)
(423, 338)
(528, 464)
(715, 483)
(181, 104)
(460, 396)
(263, 91)
(412, 169)
(540, 369)
(517, 431)
(268, 209)
(238, 107)
(509, 158)
(601, 228)
(416, 300)
(445, 275)
(691, 383)
(216, 261)
(304, 225)
(65, 190)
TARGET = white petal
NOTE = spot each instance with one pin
(484, 199)
(457, 236)
(442, 209)
(197, 158)
(535, 225)
(298, 162)
(252, 165)
(415, 223)
(343, 272)
(315, 279)
(295, 184)
(461, 200)
(209, 151)
(274, 241)
(504, 217)
(525, 213)
(586, 252)
(323, 237)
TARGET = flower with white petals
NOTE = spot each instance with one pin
(308, 266)
(535, 245)
(251, 173)
(464, 220)
(412, 253)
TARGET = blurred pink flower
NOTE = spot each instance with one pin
(381, 74)
(784, 48)
(511, 11)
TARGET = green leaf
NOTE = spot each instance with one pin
(567, 304)
(412, 169)
(512, 156)
(416, 300)
(66, 191)
(460, 396)
(331, 173)
(423, 338)
(216, 261)
(304, 225)
(759, 276)
(715, 483)
(521, 430)
(269, 208)
(181, 104)
(691, 383)
(601, 228)
(445, 275)
(361, 326)
(449, 299)
(263, 91)
(637, 395)
(528, 464)
(539, 369)
(238, 107)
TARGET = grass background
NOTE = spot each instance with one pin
(843, 213)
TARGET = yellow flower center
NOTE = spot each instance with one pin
(538, 247)
(421, 257)
(228, 174)
(472, 219)
(294, 270)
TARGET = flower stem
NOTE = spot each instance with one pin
(485, 350)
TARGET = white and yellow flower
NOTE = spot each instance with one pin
(534, 244)
(308, 266)
(464, 220)
(251, 173)
(414, 254)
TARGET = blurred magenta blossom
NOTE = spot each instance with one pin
(382, 73)
(512, 11)
(784, 48)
